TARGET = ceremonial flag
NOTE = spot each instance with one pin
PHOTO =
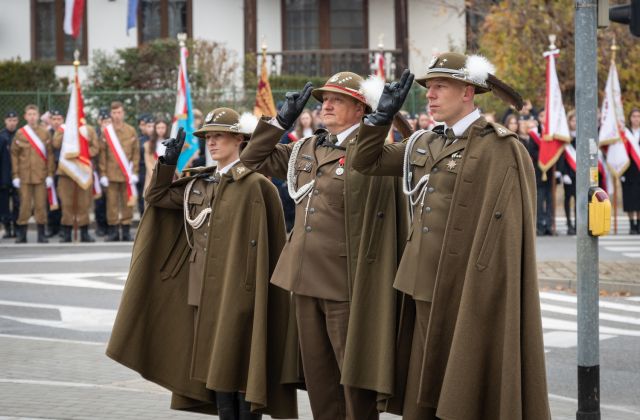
(612, 130)
(555, 133)
(132, 14)
(264, 99)
(75, 160)
(183, 115)
(378, 63)
(73, 13)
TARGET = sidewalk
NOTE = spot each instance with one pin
(620, 277)
(75, 380)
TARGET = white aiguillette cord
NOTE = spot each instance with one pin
(305, 191)
(421, 185)
(197, 221)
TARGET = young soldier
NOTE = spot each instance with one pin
(100, 203)
(119, 161)
(341, 256)
(9, 202)
(469, 262)
(32, 166)
(228, 321)
(76, 199)
(56, 121)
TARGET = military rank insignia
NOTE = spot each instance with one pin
(340, 168)
(451, 165)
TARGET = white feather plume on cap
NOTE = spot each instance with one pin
(247, 123)
(372, 89)
(478, 69)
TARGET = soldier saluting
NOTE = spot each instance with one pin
(469, 262)
(32, 166)
(341, 256)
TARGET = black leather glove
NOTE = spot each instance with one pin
(174, 147)
(293, 106)
(391, 101)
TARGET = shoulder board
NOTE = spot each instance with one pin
(498, 129)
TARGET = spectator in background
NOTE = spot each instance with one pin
(304, 127)
(569, 177)
(9, 201)
(511, 123)
(56, 121)
(201, 158)
(317, 118)
(154, 148)
(146, 124)
(100, 203)
(424, 122)
(631, 177)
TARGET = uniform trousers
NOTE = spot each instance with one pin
(33, 197)
(411, 410)
(322, 329)
(118, 209)
(9, 204)
(69, 191)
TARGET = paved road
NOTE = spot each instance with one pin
(57, 305)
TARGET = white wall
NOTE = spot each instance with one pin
(382, 21)
(15, 29)
(270, 24)
(434, 26)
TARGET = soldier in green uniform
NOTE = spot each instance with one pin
(341, 256)
(469, 262)
(220, 344)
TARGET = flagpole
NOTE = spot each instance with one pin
(76, 63)
(614, 48)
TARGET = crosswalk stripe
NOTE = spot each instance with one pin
(603, 315)
(631, 254)
(622, 248)
(564, 325)
(602, 303)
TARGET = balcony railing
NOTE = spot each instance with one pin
(328, 62)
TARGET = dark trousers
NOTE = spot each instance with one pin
(54, 217)
(9, 205)
(411, 410)
(543, 222)
(100, 211)
(322, 329)
(570, 192)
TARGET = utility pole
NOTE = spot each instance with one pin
(586, 66)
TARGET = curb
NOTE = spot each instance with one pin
(606, 286)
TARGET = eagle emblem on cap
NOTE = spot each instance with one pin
(433, 62)
(209, 117)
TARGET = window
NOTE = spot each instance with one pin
(163, 19)
(48, 40)
(317, 24)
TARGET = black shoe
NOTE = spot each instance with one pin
(571, 229)
(41, 236)
(632, 227)
(244, 409)
(637, 228)
(100, 230)
(112, 234)
(66, 234)
(126, 233)
(21, 234)
(53, 231)
(227, 405)
(8, 231)
(84, 234)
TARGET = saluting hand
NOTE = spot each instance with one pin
(391, 101)
(174, 147)
(293, 106)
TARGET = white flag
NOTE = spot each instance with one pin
(612, 129)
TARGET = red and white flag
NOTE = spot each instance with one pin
(75, 160)
(378, 65)
(555, 133)
(612, 130)
(73, 13)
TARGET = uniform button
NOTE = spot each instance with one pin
(380, 214)
(205, 234)
(498, 215)
(425, 229)
(319, 173)
(312, 210)
(308, 228)
(252, 242)
(427, 209)
(316, 192)
(205, 249)
(430, 189)
(434, 170)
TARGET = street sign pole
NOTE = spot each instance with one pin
(586, 65)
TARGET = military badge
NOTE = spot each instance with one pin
(451, 165)
(456, 155)
(433, 62)
(240, 170)
(340, 168)
(421, 151)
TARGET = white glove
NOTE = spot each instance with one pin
(104, 181)
(48, 181)
(16, 182)
(133, 179)
(566, 179)
(558, 174)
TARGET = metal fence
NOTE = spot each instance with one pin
(159, 103)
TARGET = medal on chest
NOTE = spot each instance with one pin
(340, 168)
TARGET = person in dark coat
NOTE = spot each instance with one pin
(631, 178)
(9, 197)
(100, 203)
(569, 177)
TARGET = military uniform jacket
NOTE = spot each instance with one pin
(26, 163)
(238, 340)
(6, 138)
(484, 354)
(94, 145)
(130, 145)
(345, 247)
